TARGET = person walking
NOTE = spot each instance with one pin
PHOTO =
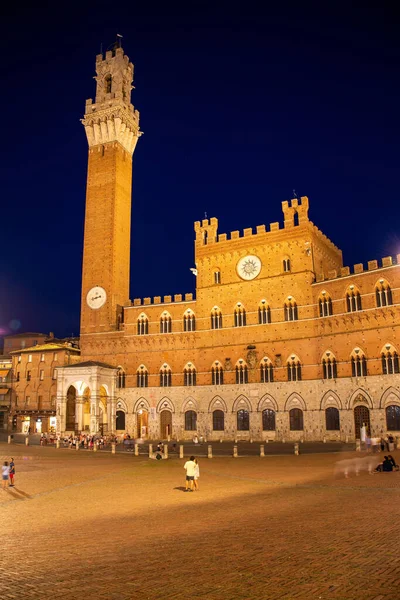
(196, 475)
(5, 472)
(190, 468)
(12, 472)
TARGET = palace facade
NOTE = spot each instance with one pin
(280, 340)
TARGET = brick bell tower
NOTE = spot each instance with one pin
(112, 129)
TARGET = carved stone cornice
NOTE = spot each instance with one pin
(112, 123)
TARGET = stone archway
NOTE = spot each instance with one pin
(70, 417)
(165, 423)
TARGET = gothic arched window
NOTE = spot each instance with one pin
(190, 420)
(266, 371)
(329, 366)
(142, 377)
(189, 321)
(286, 265)
(242, 375)
(165, 323)
(120, 378)
(353, 299)
(264, 313)
(239, 316)
(290, 309)
(325, 305)
(358, 363)
(383, 294)
(218, 420)
(217, 374)
(390, 360)
(294, 369)
(332, 419)
(165, 376)
(296, 419)
(216, 318)
(142, 325)
(393, 418)
(268, 419)
(189, 375)
(243, 420)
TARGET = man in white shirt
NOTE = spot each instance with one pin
(190, 468)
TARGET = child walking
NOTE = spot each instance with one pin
(12, 472)
(196, 475)
(5, 471)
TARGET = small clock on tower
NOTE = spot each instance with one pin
(96, 297)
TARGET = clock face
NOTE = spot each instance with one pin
(248, 267)
(96, 297)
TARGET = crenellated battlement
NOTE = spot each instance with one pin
(295, 215)
(156, 300)
(358, 268)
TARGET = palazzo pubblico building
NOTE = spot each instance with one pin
(281, 341)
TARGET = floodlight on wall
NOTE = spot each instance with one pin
(262, 301)
(323, 292)
(239, 304)
(293, 357)
(352, 287)
(381, 281)
(327, 353)
(356, 350)
(387, 346)
(289, 298)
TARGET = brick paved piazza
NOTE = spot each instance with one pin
(84, 525)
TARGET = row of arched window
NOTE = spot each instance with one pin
(296, 421)
(389, 359)
(383, 295)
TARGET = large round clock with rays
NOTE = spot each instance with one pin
(248, 267)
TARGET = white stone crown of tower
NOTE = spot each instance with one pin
(112, 117)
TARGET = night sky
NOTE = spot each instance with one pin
(238, 110)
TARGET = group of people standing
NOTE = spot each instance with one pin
(8, 473)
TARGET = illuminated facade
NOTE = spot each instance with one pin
(281, 341)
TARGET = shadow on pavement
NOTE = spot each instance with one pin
(24, 494)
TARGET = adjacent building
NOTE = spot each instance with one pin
(34, 382)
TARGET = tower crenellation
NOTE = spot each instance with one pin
(112, 117)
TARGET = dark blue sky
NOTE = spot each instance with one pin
(237, 110)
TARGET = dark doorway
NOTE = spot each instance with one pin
(361, 417)
(165, 424)
(71, 404)
(120, 421)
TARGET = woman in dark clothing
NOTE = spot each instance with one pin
(387, 465)
(394, 464)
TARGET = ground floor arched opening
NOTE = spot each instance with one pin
(165, 423)
(361, 417)
(120, 421)
(142, 424)
(70, 417)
